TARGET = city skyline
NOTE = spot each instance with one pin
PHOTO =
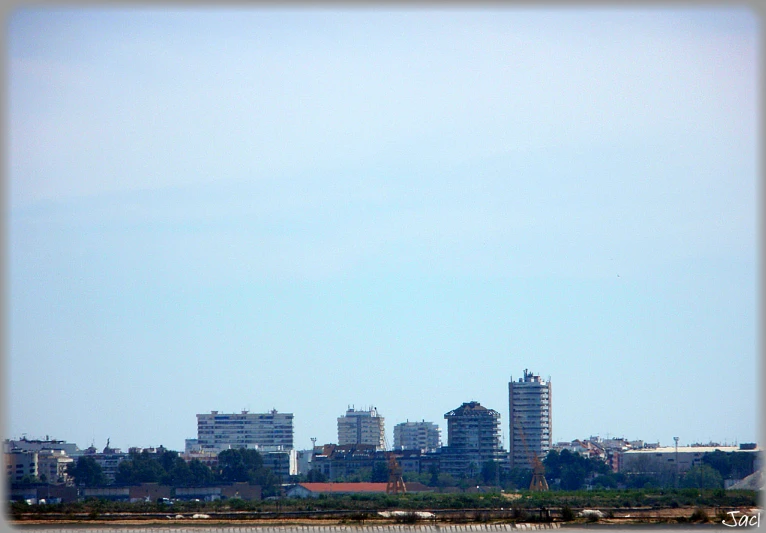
(305, 208)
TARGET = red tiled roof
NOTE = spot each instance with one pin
(345, 487)
(417, 486)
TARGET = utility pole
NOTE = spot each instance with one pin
(676, 460)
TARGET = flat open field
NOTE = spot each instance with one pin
(478, 520)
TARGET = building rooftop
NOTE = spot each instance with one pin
(344, 487)
(471, 409)
(694, 449)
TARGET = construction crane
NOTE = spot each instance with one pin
(538, 482)
(395, 483)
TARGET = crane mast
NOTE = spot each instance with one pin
(538, 482)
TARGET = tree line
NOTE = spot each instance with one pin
(169, 468)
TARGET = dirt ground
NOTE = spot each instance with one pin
(632, 516)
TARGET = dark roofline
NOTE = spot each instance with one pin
(471, 409)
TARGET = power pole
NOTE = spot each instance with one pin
(676, 460)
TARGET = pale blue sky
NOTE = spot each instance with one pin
(311, 208)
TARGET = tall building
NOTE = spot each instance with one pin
(529, 406)
(362, 427)
(270, 431)
(473, 438)
(424, 436)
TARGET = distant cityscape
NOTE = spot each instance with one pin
(473, 450)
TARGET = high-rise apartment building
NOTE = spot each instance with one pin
(362, 427)
(268, 431)
(473, 438)
(423, 436)
(529, 407)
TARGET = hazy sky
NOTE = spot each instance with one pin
(311, 208)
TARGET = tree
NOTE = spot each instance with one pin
(201, 474)
(237, 464)
(610, 480)
(316, 476)
(246, 465)
(520, 478)
(490, 473)
(140, 468)
(178, 473)
(702, 477)
(168, 459)
(379, 472)
(433, 471)
(572, 468)
(735, 465)
(86, 472)
(573, 476)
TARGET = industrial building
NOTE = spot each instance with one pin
(669, 460)
(473, 438)
(270, 431)
(423, 436)
(529, 408)
(362, 427)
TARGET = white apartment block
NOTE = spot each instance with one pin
(52, 466)
(423, 436)
(529, 403)
(362, 427)
(265, 431)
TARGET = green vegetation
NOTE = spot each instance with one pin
(86, 472)
(525, 506)
(168, 468)
(572, 468)
(702, 477)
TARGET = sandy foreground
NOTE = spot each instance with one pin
(632, 516)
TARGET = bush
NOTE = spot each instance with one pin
(406, 518)
(567, 515)
(699, 515)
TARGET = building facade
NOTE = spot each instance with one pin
(529, 408)
(362, 427)
(473, 438)
(20, 464)
(108, 459)
(423, 436)
(670, 460)
(52, 466)
(221, 431)
(36, 445)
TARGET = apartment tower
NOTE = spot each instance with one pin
(423, 436)
(270, 431)
(529, 408)
(362, 427)
(473, 438)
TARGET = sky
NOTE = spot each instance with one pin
(319, 207)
